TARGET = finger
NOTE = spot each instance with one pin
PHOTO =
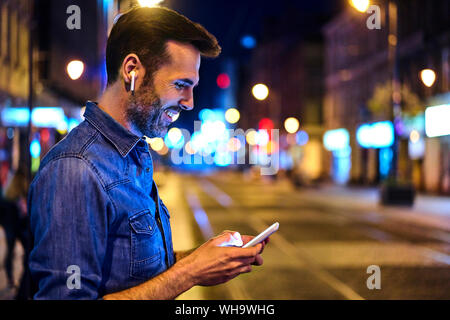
(237, 239)
(246, 238)
(258, 260)
(261, 247)
(238, 253)
(225, 236)
(228, 231)
(244, 269)
(237, 271)
(263, 244)
(245, 261)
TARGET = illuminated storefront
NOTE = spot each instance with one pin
(338, 142)
(437, 145)
(49, 125)
(379, 136)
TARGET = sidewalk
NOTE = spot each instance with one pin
(183, 237)
(431, 211)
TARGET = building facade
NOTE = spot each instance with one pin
(41, 32)
(358, 66)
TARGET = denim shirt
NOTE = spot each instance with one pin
(96, 215)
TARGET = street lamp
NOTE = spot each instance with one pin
(360, 5)
(260, 91)
(291, 125)
(75, 69)
(428, 77)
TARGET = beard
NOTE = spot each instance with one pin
(144, 113)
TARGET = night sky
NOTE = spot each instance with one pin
(232, 19)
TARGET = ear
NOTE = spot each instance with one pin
(131, 63)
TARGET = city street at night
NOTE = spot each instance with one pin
(328, 237)
(149, 147)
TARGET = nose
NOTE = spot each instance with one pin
(187, 102)
(186, 105)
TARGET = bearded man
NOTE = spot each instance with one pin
(100, 229)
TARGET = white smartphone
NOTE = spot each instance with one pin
(262, 236)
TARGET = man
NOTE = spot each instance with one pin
(100, 229)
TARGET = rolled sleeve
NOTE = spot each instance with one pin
(69, 220)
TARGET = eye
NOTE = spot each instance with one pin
(179, 85)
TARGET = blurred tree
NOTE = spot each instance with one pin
(380, 102)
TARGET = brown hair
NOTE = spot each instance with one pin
(145, 32)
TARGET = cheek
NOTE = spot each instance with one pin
(170, 96)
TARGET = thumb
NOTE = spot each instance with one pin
(237, 239)
(221, 238)
(228, 238)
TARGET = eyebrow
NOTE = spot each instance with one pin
(188, 81)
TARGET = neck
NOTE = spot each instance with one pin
(114, 103)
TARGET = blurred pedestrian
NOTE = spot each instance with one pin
(14, 220)
(8, 220)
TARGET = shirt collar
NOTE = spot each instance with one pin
(120, 137)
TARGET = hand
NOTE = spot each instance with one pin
(258, 259)
(211, 264)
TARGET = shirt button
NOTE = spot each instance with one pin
(147, 169)
(150, 228)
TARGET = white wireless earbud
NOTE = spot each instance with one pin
(133, 77)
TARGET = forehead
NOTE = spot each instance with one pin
(185, 61)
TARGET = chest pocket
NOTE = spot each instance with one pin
(146, 245)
